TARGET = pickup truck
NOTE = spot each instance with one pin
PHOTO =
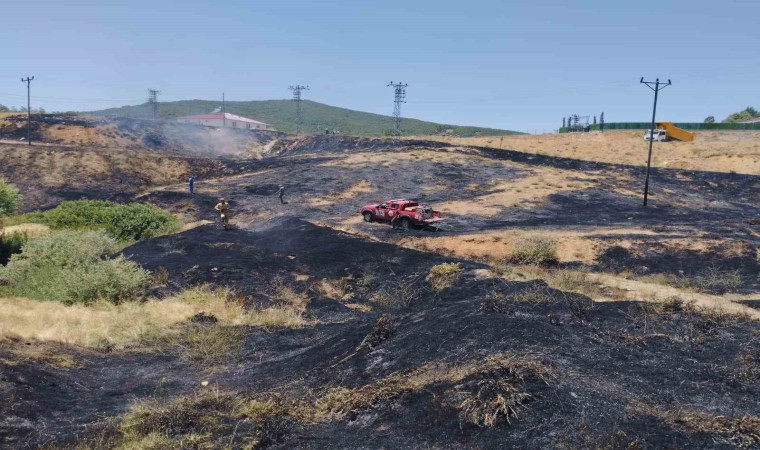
(412, 213)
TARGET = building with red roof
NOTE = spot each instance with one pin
(225, 120)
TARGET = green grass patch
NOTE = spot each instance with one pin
(72, 267)
(123, 222)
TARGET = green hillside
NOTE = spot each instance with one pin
(316, 117)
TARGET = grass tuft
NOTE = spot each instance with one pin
(443, 275)
(535, 251)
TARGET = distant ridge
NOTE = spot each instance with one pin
(316, 117)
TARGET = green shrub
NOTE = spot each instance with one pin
(10, 198)
(79, 214)
(138, 221)
(72, 267)
(9, 245)
(123, 222)
(535, 251)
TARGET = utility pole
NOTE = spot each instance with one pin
(224, 113)
(28, 81)
(153, 100)
(399, 91)
(656, 86)
(297, 98)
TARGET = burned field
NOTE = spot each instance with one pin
(472, 361)
(639, 332)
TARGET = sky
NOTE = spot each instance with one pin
(519, 65)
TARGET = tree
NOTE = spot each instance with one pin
(563, 122)
(4, 108)
(710, 119)
(594, 120)
(747, 114)
(10, 198)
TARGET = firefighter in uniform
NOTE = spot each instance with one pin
(223, 208)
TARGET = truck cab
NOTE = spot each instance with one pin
(659, 135)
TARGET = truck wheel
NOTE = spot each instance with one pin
(368, 216)
(406, 223)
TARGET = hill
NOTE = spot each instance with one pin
(316, 117)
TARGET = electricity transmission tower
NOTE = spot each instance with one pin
(297, 98)
(153, 100)
(656, 86)
(28, 81)
(399, 90)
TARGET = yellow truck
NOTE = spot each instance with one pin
(670, 132)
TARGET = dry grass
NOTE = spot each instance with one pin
(397, 295)
(712, 279)
(571, 280)
(537, 294)
(535, 251)
(524, 192)
(353, 191)
(699, 320)
(494, 398)
(213, 419)
(720, 151)
(119, 326)
(741, 431)
(443, 275)
(50, 355)
(336, 403)
(27, 230)
(338, 289)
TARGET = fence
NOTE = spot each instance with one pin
(686, 126)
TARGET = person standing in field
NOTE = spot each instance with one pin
(191, 185)
(280, 193)
(223, 208)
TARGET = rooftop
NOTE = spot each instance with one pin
(226, 116)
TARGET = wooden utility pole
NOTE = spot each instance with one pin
(28, 81)
(656, 88)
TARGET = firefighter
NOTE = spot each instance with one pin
(280, 193)
(223, 208)
(396, 222)
(191, 185)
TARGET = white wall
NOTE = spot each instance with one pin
(219, 123)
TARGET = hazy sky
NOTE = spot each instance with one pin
(519, 65)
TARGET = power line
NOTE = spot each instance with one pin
(297, 98)
(399, 91)
(153, 100)
(71, 100)
(656, 88)
(28, 81)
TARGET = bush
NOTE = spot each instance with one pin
(123, 222)
(10, 198)
(12, 238)
(535, 251)
(138, 221)
(71, 267)
(9, 245)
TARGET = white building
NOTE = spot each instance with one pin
(226, 120)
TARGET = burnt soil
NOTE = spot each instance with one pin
(616, 363)
(607, 358)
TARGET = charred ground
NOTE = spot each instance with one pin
(387, 357)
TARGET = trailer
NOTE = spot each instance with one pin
(673, 132)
